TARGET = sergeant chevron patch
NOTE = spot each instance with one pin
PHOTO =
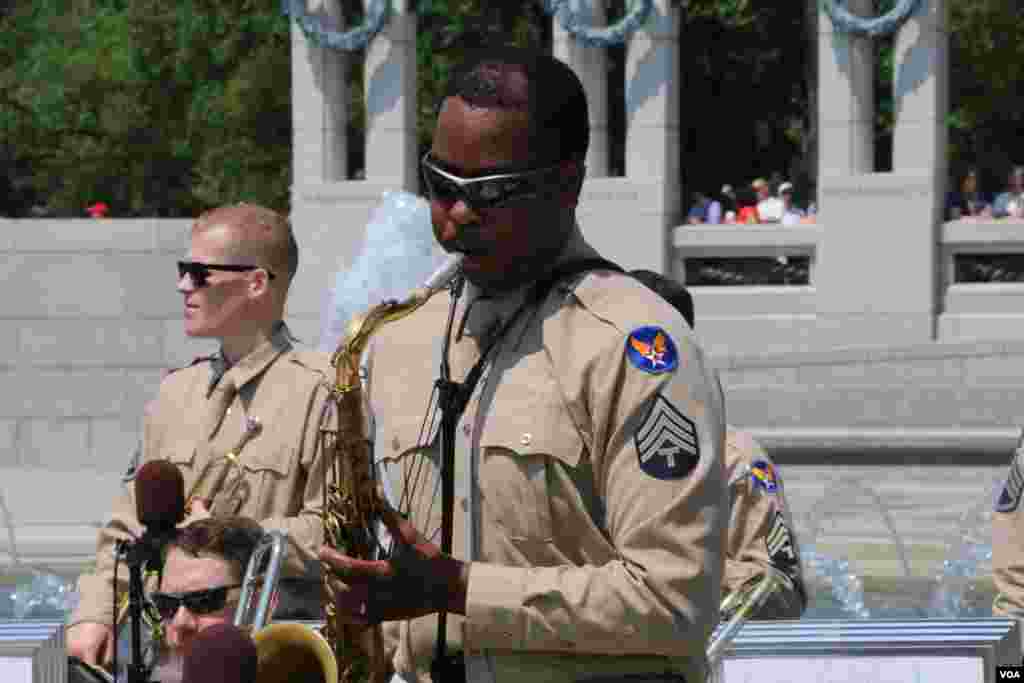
(1009, 499)
(666, 442)
(779, 542)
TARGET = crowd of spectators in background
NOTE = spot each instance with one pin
(761, 202)
(773, 202)
(966, 199)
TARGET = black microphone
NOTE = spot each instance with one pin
(159, 496)
(222, 653)
(159, 506)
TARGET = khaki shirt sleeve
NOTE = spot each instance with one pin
(660, 595)
(96, 588)
(1008, 543)
(760, 523)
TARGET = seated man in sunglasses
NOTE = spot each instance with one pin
(258, 398)
(201, 584)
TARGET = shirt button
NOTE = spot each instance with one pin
(525, 439)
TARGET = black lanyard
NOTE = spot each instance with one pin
(452, 400)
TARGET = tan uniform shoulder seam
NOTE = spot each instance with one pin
(623, 302)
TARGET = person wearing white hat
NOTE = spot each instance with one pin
(791, 214)
(769, 208)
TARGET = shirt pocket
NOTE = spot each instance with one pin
(408, 472)
(268, 485)
(526, 437)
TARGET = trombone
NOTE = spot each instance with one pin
(287, 651)
(740, 606)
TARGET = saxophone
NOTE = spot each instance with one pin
(351, 500)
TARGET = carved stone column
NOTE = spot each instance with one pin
(390, 88)
(319, 103)
(591, 65)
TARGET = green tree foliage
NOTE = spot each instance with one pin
(167, 108)
(987, 102)
(156, 108)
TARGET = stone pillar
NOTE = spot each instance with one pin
(846, 98)
(390, 83)
(921, 93)
(319, 103)
(652, 96)
(591, 65)
(647, 202)
(876, 275)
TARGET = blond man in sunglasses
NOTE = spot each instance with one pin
(258, 397)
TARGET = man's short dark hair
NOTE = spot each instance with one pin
(231, 538)
(669, 290)
(555, 102)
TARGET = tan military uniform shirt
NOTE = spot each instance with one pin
(286, 390)
(1008, 542)
(761, 531)
(591, 496)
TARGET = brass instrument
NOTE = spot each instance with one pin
(351, 500)
(740, 606)
(286, 651)
(217, 471)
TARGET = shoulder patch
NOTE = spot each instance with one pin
(666, 441)
(779, 543)
(762, 476)
(1009, 498)
(652, 350)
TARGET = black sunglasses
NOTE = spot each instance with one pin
(199, 272)
(198, 602)
(486, 192)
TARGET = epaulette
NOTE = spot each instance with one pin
(195, 361)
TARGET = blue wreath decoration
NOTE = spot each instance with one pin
(615, 34)
(874, 27)
(351, 40)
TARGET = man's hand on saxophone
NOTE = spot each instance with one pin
(418, 579)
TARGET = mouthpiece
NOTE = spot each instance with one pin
(443, 275)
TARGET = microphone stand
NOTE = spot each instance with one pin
(145, 552)
(450, 396)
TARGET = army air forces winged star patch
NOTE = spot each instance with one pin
(666, 441)
(651, 349)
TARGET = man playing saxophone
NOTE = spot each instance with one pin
(590, 498)
(242, 425)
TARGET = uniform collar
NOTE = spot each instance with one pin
(255, 362)
(483, 312)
